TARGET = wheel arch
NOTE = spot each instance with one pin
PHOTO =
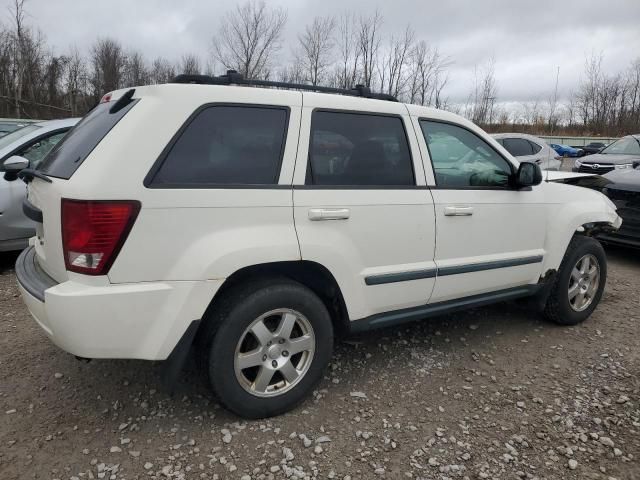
(311, 274)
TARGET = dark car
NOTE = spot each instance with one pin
(623, 189)
(619, 155)
(593, 147)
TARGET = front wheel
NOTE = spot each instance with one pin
(270, 349)
(579, 284)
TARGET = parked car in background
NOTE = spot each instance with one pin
(527, 148)
(25, 147)
(8, 125)
(566, 150)
(253, 223)
(623, 189)
(619, 155)
(593, 147)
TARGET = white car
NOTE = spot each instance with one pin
(254, 223)
(528, 148)
(25, 147)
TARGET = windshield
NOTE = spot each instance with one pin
(624, 146)
(17, 134)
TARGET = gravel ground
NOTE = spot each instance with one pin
(492, 393)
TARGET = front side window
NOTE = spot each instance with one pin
(354, 149)
(227, 145)
(462, 159)
(38, 150)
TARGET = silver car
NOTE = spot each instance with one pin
(23, 148)
(528, 148)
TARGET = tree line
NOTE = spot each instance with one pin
(339, 51)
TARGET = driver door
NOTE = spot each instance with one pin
(489, 236)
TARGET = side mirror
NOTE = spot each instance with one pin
(14, 165)
(529, 175)
(636, 163)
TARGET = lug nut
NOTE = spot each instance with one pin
(274, 364)
(264, 358)
(281, 341)
(285, 353)
(269, 343)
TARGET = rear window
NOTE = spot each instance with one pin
(76, 146)
(225, 145)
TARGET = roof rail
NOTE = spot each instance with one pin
(234, 78)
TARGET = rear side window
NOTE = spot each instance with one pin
(226, 145)
(534, 147)
(75, 147)
(352, 149)
(518, 147)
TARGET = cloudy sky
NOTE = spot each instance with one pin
(527, 39)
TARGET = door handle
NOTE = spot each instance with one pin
(316, 214)
(538, 160)
(458, 211)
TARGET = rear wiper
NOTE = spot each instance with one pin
(29, 174)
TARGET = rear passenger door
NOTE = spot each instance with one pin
(361, 206)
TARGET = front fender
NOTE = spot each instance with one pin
(575, 208)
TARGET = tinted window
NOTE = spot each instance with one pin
(462, 159)
(227, 145)
(69, 154)
(534, 147)
(358, 149)
(38, 150)
(518, 147)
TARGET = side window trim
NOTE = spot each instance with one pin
(148, 181)
(403, 122)
(435, 185)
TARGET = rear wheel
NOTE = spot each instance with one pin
(579, 284)
(270, 349)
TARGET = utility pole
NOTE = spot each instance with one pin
(554, 103)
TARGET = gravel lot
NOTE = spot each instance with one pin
(491, 393)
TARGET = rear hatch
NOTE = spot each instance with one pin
(59, 167)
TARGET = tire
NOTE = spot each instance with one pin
(559, 307)
(247, 309)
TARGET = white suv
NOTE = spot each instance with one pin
(253, 223)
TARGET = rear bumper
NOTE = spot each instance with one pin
(130, 320)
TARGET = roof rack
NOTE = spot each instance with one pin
(234, 78)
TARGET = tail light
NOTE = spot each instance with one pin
(93, 233)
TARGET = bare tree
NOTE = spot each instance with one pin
(347, 68)
(136, 71)
(368, 38)
(483, 96)
(18, 13)
(109, 61)
(162, 71)
(315, 48)
(75, 82)
(190, 64)
(427, 75)
(392, 69)
(249, 37)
